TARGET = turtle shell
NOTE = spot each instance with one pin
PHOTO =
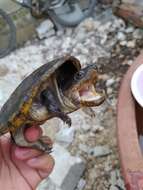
(28, 89)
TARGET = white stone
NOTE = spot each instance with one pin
(138, 34)
(85, 148)
(46, 184)
(123, 43)
(3, 70)
(129, 30)
(113, 178)
(81, 184)
(67, 170)
(109, 90)
(96, 128)
(89, 24)
(65, 136)
(130, 62)
(45, 29)
(109, 82)
(101, 151)
(113, 188)
(1, 95)
(121, 36)
(95, 151)
(131, 44)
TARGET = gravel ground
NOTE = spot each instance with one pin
(106, 41)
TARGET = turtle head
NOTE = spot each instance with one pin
(80, 88)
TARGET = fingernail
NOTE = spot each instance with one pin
(44, 174)
(23, 153)
(32, 161)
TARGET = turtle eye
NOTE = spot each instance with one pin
(79, 75)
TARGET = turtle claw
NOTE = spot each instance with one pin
(68, 121)
(47, 144)
(65, 118)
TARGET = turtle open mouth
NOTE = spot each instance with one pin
(87, 95)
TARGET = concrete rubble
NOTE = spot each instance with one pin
(45, 29)
(67, 171)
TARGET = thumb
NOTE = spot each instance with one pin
(33, 133)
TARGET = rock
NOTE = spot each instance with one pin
(105, 27)
(104, 39)
(97, 128)
(81, 184)
(49, 34)
(121, 36)
(47, 184)
(110, 82)
(95, 151)
(101, 151)
(113, 188)
(116, 181)
(85, 148)
(3, 70)
(123, 43)
(65, 136)
(51, 128)
(80, 37)
(106, 2)
(129, 30)
(138, 34)
(131, 44)
(113, 178)
(89, 24)
(109, 91)
(67, 170)
(1, 96)
(79, 122)
(130, 62)
(45, 29)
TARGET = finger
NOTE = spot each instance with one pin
(43, 163)
(26, 153)
(33, 133)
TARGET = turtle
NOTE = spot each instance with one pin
(55, 89)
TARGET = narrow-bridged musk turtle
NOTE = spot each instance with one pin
(53, 90)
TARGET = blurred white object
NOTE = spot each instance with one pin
(65, 136)
(137, 85)
(66, 173)
(45, 29)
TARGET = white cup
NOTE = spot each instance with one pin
(137, 85)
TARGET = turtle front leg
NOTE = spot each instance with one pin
(43, 144)
(52, 104)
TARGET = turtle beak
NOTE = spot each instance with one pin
(87, 96)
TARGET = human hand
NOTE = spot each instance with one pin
(23, 168)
